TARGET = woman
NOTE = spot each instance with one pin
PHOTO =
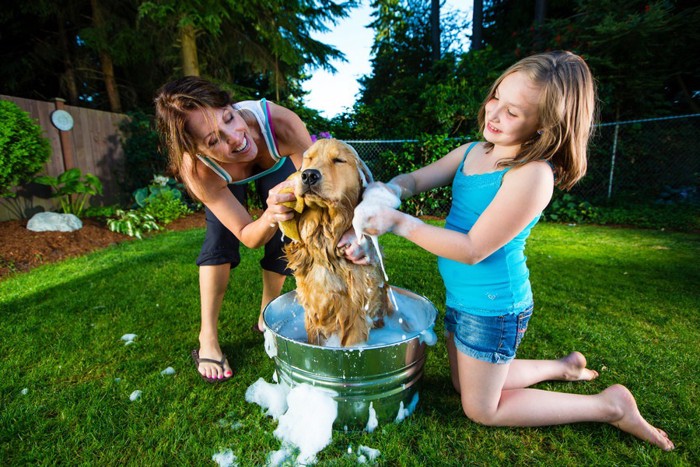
(216, 148)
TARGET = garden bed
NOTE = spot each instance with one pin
(22, 249)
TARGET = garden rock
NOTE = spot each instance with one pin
(54, 222)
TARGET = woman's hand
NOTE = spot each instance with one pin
(276, 211)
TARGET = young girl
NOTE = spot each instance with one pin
(536, 120)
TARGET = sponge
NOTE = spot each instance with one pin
(289, 228)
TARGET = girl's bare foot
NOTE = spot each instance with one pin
(576, 368)
(630, 420)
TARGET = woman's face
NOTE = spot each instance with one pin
(512, 115)
(221, 134)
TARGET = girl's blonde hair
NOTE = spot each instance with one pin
(566, 114)
(173, 103)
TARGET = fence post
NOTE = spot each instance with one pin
(65, 139)
(612, 162)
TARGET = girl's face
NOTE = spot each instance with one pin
(221, 134)
(512, 115)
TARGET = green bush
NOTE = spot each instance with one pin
(133, 223)
(166, 207)
(428, 149)
(23, 148)
(566, 207)
(72, 189)
(142, 158)
(163, 199)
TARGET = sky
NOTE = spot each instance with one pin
(332, 94)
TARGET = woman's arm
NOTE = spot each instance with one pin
(214, 193)
(525, 192)
(292, 135)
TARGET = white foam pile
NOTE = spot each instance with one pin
(305, 414)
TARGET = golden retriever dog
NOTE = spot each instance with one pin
(341, 299)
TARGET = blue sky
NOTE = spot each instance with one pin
(333, 94)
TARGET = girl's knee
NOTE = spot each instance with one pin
(478, 414)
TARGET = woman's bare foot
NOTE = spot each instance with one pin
(576, 368)
(630, 420)
(261, 323)
(212, 370)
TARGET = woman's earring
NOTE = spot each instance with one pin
(539, 132)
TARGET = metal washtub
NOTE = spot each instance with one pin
(384, 376)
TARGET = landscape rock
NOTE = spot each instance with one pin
(54, 222)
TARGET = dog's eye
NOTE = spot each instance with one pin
(338, 160)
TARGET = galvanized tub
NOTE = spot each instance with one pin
(379, 380)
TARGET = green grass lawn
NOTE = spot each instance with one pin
(628, 299)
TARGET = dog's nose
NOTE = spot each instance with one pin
(310, 177)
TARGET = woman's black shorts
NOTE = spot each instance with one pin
(221, 246)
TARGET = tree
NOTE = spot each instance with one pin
(477, 25)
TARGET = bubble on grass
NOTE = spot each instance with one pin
(224, 458)
(24, 391)
(117, 380)
(168, 371)
(128, 338)
(371, 453)
(272, 397)
(372, 423)
(278, 458)
(135, 395)
(405, 412)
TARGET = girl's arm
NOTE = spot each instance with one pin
(439, 173)
(525, 192)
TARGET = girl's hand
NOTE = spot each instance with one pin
(374, 219)
(276, 210)
(384, 194)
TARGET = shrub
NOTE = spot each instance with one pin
(72, 189)
(23, 148)
(132, 223)
(426, 150)
(163, 199)
(566, 207)
(141, 156)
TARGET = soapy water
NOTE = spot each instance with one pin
(403, 324)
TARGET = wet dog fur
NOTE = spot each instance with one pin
(340, 298)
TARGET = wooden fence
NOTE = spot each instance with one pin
(93, 145)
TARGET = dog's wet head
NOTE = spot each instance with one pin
(331, 174)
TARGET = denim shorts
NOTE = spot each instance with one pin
(491, 339)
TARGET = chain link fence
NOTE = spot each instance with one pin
(640, 162)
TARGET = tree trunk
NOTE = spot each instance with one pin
(68, 81)
(188, 50)
(540, 13)
(115, 104)
(478, 25)
(435, 29)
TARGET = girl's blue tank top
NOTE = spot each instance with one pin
(500, 283)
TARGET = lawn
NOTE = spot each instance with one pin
(628, 299)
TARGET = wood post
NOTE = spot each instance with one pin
(65, 138)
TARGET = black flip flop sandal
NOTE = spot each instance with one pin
(197, 361)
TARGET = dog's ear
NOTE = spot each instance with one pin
(365, 173)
